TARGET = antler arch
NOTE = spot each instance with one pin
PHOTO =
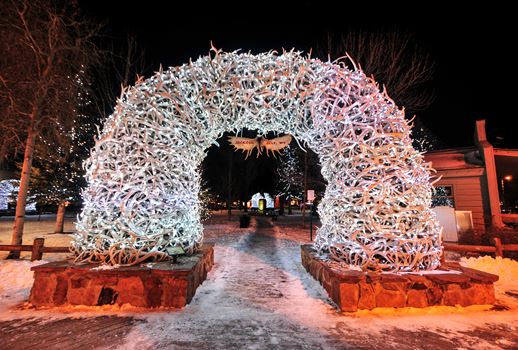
(143, 184)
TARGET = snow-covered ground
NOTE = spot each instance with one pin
(38, 228)
(258, 296)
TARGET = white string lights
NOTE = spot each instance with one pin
(143, 183)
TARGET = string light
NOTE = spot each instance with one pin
(143, 183)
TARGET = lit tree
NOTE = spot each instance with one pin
(205, 197)
(290, 175)
(8, 190)
(45, 44)
(57, 177)
(423, 139)
(442, 197)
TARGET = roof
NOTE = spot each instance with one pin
(455, 158)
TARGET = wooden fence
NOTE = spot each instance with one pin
(37, 248)
(498, 248)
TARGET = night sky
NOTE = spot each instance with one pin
(475, 72)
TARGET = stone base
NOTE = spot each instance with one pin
(352, 290)
(146, 285)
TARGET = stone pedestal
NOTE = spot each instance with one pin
(149, 285)
(352, 290)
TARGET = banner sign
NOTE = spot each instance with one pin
(247, 145)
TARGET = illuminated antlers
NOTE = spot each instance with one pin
(245, 144)
(248, 145)
(143, 179)
(275, 145)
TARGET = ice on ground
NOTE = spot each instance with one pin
(258, 295)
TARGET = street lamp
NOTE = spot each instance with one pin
(505, 178)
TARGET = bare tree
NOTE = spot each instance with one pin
(45, 44)
(123, 62)
(394, 58)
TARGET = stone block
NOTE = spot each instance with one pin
(465, 295)
(393, 278)
(434, 295)
(373, 277)
(42, 292)
(161, 284)
(454, 294)
(447, 278)
(174, 292)
(79, 281)
(60, 293)
(483, 293)
(348, 276)
(352, 290)
(479, 276)
(417, 298)
(88, 296)
(154, 288)
(347, 295)
(390, 297)
(367, 299)
(131, 291)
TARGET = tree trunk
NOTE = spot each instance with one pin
(281, 205)
(60, 218)
(3, 153)
(17, 234)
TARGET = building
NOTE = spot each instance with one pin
(472, 179)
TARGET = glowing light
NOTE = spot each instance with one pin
(8, 193)
(143, 183)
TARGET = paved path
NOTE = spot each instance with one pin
(67, 333)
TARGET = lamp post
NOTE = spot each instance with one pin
(502, 181)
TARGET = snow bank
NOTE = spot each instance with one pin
(506, 269)
(16, 281)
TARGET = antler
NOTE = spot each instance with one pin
(276, 144)
(245, 144)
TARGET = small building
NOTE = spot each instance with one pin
(262, 202)
(471, 179)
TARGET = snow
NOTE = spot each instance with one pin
(431, 272)
(108, 267)
(506, 269)
(258, 295)
(34, 228)
(16, 282)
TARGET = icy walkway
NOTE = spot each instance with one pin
(258, 296)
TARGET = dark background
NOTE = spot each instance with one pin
(475, 72)
(472, 47)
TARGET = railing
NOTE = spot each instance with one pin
(498, 248)
(37, 248)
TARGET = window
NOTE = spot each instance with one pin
(443, 196)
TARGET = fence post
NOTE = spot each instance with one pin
(498, 246)
(37, 248)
